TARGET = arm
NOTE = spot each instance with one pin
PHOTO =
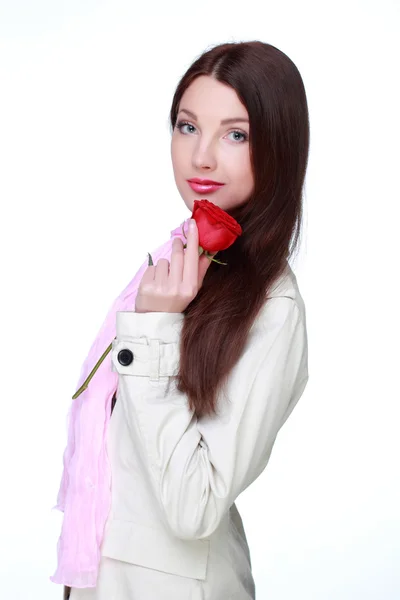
(198, 467)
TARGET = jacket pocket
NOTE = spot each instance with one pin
(155, 548)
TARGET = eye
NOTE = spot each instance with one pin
(181, 124)
(244, 135)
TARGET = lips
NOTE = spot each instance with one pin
(204, 189)
(204, 186)
(204, 181)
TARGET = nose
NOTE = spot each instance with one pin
(204, 156)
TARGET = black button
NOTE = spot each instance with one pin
(125, 357)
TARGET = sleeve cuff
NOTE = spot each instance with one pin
(147, 344)
(164, 326)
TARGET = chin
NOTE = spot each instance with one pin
(189, 204)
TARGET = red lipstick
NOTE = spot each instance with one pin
(205, 181)
(204, 186)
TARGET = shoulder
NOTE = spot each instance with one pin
(286, 285)
(283, 300)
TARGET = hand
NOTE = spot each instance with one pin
(167, 287)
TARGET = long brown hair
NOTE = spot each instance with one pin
(219, 318)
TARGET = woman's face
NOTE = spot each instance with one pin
(205, 148)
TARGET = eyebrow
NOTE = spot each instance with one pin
(223, 122)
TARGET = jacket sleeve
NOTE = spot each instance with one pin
(198, 467)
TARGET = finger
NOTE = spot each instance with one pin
(162, 270)
(148, 274)
(191, 257)
(177, 261)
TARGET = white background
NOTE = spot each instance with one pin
(87, 188)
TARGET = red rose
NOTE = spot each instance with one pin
(217, 229)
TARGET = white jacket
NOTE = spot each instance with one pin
(175, 478)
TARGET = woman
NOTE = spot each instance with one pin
(210, 359)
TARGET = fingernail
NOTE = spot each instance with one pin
(192, 223)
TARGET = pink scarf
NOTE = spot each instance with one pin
(85, 489)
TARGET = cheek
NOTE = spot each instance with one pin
(241, 171)
(177, 154)
(173, 151)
